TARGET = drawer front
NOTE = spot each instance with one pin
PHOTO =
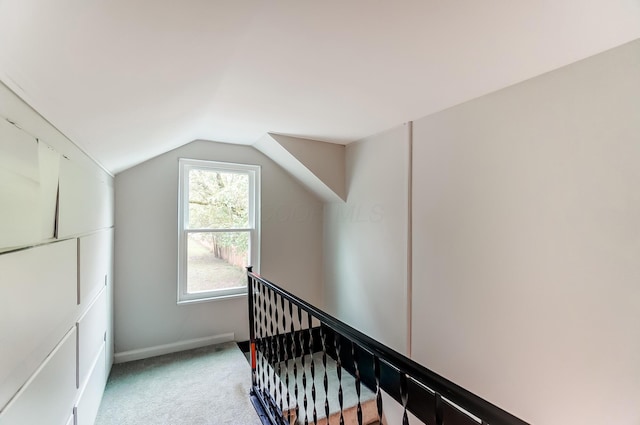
(94, 262)
(91, 394)
(47, 397)
(91, 330)
(38, 290)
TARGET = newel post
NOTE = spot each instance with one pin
(252, 333)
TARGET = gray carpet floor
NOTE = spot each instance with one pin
(205, 386)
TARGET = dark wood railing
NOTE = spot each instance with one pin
(286, 331)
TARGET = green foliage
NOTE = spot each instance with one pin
(220, 200)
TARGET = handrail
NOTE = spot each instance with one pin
(488, 412)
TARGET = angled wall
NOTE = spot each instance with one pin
(319, 166)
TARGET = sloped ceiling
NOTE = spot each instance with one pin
(130, 79)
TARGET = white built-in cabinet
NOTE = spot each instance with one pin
(56, 273)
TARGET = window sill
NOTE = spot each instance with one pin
(212, 298)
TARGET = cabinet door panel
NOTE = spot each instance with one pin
(91, 395)
(28, 188)
(47, 397)
(91, 330)
(86, 200)
(38, 291)
(95, 255)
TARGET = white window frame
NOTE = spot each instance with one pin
(253, 171)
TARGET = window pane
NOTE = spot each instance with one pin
(218, 199)
(217, 260)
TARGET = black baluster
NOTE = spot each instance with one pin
(376, 372)
(325, 378)
(439, 408)
(262, 333)
(404, 397)
(267, 314)
(256, 335)
(258, 306)
(313, 369)
(336, 342)
(277, 358)
(256, 329)
(285, 359)
(354, 355)
(256, 310)
(256, 323)
(272, 356)
(304, 372)
(295, 362)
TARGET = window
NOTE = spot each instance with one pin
(218, 223)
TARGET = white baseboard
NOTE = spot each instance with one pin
(174, 347)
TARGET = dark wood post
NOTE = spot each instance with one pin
(252, 332)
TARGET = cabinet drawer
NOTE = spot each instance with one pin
(91, 395)
(91, 330)
(38, 289)
(47, 397)
(94, 263)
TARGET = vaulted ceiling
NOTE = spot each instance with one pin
(130, 79)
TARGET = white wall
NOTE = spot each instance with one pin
(526, 244)
(56, 335)
(365, 240)
(146, 313)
